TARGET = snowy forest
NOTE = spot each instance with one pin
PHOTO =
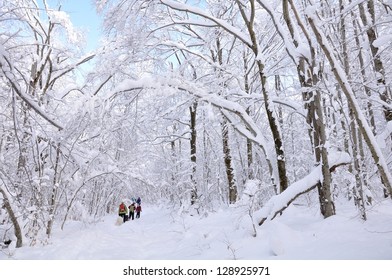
(196, 105)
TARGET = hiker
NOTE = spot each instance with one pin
(138, 210)
(123, 211)
(139, 201)
(131, 211)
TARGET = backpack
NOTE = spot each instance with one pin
(122, 207)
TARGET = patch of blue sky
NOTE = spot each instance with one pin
(83, 16)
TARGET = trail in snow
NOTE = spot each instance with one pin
(300, 233)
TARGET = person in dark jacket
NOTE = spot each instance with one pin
(131, 211)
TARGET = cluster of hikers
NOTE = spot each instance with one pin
(128, 212)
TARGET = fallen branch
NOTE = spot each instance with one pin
(278, 203)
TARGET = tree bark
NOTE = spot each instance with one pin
(355, 168)
(277, 138)
(52, 201)
(228, 163)
(225, 142)
(192, 111)
(308, 79)
(249, 145)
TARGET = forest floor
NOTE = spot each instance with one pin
(226, 234)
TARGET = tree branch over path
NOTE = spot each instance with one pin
(198, 91)
(233, 111)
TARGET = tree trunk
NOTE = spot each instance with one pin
(355, 167)
(225, 138)
(226, 146)
(228, 163)
(315, 118)
(327, 206)
(273, 124)
(364, 77)
(192, 111)
(385, 94)
(52, 204)
(358, 194)
(249, 145)
(353, 105)
(279, 150)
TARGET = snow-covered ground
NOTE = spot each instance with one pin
(163, 234)
(299, 242)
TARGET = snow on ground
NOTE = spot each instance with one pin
(163, 234)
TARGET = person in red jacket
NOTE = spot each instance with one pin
(123, 211)
(138, 210)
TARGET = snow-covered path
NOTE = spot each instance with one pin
(226, 234)
(149, 237)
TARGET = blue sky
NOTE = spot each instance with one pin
(83, 15)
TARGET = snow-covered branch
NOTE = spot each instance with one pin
(15, 86)
(233, 111)
(72, 67)
(292, 51)
(291, 104)
(197, 11)
(278, 203)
